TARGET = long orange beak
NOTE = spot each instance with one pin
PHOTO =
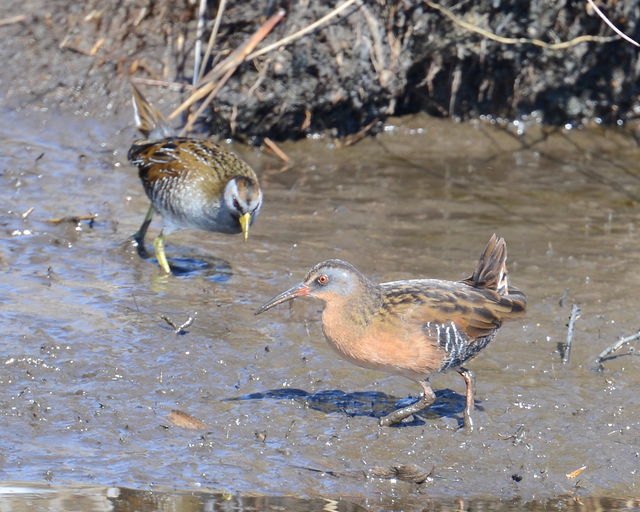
(300, 290)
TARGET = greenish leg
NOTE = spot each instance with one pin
(428, 397)
(470, 381)
(138, 236)
(158, 245)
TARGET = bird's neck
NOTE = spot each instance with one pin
(352, 311)
(346, 318)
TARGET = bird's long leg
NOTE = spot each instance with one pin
(158, 245)
(138, 236)
(470, 381)
(428, 397)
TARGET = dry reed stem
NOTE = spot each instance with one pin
(13, 19)
(520, 40)
(352, 139)
(244, 53)
(197, 49)
(302, 32)
(229, 64)
(212, 39)
(153, 82)
(71, 218)
(236, 59)
(276, 149)
(610, 23)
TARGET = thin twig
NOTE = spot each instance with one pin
(238, 59)
(178, 329)
(302, 32)
(575, 314)
(174, 86)
(197, 50)
(612, 348)
(212, 39)
(276, 149)
(28, 212)
(246, 53)
(13, 19)
(350, 140)
(230, 64)
(71, 218)
(611, 25)
(520, 40)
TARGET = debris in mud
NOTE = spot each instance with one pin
(606, 353)
(565, 349)
(20, 18)
(178, 329)
(518, 437)
(27, 212)
(576, 473)
(405, 472)
(184, 420)
(276, 150)
(73, 219)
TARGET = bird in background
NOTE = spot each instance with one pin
(192, 183)
(413, 328)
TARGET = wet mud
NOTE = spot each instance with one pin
(91, 371)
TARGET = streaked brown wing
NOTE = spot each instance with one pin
(156, 160)
(475, 312)
(178, 155)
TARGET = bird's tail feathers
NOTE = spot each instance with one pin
(149, 121)
(491, 272)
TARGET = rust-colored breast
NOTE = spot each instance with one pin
(431, 325)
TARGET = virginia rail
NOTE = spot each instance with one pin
(192, 183)
(413, 328)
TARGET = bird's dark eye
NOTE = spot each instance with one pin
(236, 205)
(322, 279)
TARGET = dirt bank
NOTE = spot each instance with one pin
(372, 60)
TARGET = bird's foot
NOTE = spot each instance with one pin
(400, 414)
(468, 422)
(158, 246)
(138, 243)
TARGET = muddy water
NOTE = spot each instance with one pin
(90, 370)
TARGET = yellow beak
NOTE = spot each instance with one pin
(245, 221)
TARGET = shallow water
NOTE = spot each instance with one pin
(91, 371)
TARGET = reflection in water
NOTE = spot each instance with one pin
(37, 498)
(131, 500)
(191, 264)
(365, 403)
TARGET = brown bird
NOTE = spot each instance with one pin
(192, 183)
(413, 328)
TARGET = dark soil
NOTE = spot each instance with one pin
(374, 60)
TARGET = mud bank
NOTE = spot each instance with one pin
(370, 61)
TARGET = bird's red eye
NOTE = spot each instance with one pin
(323, 279)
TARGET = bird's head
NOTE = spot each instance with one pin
(243, 199)
(331, 279)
